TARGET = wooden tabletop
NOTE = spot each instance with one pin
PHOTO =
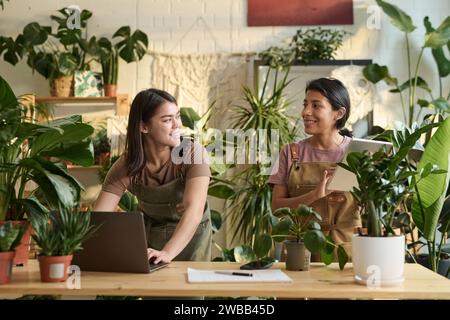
(319, 282)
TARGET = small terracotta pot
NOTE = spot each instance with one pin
(103, 158)
(23, 249)
(6, 263)
(54, 269)
(110, 90)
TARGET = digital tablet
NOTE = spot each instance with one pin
(344, 180)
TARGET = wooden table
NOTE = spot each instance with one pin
(318, 282)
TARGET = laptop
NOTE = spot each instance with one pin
(344, 180)
(118, 245)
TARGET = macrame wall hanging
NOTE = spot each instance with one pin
(199, 80)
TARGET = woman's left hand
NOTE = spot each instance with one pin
(157, 256)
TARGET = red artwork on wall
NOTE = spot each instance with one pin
(299, 12)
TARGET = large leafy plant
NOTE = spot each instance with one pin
(30, 152)
(437, 40)
(61, 233)
(386, 180)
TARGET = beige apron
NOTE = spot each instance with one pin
(161, 218)
(339, 210)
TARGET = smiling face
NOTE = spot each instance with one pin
(318, 114)
(164, 127)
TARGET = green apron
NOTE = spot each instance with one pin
(339, 210)
(158, 205)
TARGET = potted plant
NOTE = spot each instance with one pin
(31, 152)
(54, 55)
(58, 236)
(10, 236)
(102, 147)
(386, 183)
(301, 227)
(129, 47)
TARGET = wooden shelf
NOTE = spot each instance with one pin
(75, 167)
(120, 101)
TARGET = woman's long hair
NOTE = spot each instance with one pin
(337, 94)
(143, 108)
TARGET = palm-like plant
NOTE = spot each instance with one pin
(248, 195)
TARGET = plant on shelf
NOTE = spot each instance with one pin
(305, 46)
(56, 55)
(59, 234)
(435, 39)
(10, 237)
(129, 46)
(386, 183)
(304, 236)
(102, 146)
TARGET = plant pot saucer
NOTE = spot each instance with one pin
(383, 283)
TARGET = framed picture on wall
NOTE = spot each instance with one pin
(299, 12)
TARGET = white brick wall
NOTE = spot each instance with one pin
(167, 23)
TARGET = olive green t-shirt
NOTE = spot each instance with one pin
(193, 163)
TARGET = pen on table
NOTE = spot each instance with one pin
(245, 274)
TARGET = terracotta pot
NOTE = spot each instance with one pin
(23, 249)
(54, 269)
(110, 90)
(6, 263)
(62, 86)
(103, 158)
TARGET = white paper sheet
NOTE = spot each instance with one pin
(270, 275)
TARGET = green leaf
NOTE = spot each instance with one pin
(128, 202)
(131, 47)
(398, 17)
(216, 220)
(281, 229)
(440, 104)
(342, 257)
(432, 188)
(441, 60)
(10, 113)
(244, 253)
(34, 34)
(314, 240)
(220, 191)
(52, 139)
(440, 36)
(189, 117)
(262, 245)
(420, 84)
(375, 73)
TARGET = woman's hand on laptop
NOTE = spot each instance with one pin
(157, 256)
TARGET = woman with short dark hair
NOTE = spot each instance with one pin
(304, 168)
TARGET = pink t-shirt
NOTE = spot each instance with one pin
(307, 153)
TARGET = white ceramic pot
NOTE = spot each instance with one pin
(378, 261)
